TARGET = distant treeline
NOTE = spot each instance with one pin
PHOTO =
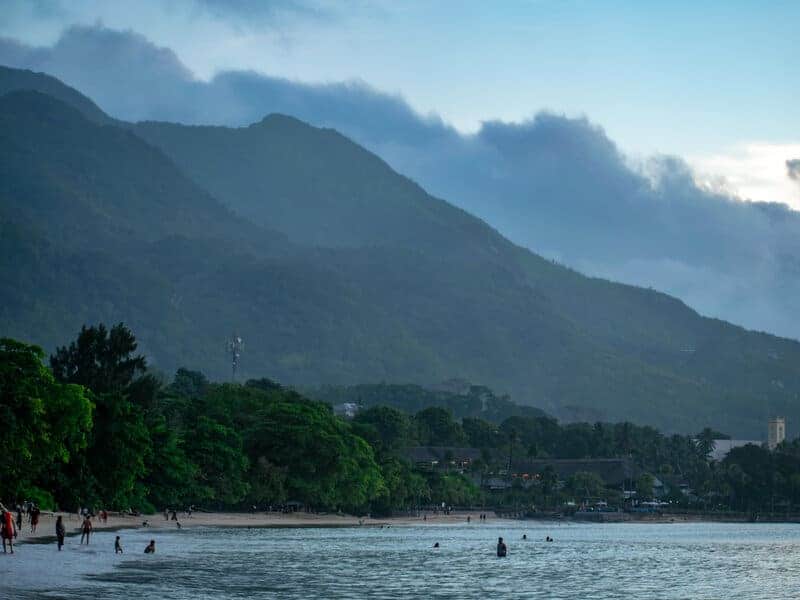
(461, 398)
(96, 428)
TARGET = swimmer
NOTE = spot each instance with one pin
(151, 547)
(502, 549)
(524, 536)
(436, 545)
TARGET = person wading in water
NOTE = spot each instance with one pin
(86, 529)
(502, 549)
(61, 531)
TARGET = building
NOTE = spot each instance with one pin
(776, 432)
(722, 447)
(346, 410)
(615, 472)
(431, 458)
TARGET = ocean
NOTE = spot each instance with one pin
(598, 561)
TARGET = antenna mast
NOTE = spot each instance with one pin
(235, 347)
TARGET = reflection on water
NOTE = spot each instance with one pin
(585, 561)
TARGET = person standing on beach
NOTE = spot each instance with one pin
(35, 512)
(61, 531)
(86, 529)
(7, 529)
(19, 520)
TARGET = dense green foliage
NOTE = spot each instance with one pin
(45, 424)
(98, 429)
(461, 398)
(103, 432)
(108, 221)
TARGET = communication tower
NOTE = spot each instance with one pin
(234, 347)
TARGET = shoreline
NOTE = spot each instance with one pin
(45, 532)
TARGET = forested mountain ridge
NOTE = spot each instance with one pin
(378, 281)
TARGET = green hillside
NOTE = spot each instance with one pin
(337, 270)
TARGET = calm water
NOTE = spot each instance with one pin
(585, 561)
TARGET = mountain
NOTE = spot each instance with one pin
(337, 270)
(555, 184)
(14, 80)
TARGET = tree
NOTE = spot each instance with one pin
(100, 360)
(403, 489)
(392, 426)
(46, 424)
(705, 442)
(480, 433)
(644, 486)
(326, 465)
(120, 444)
(222, 466)
(548, 479)
(437, 428)
(454, 490)
(584, 484)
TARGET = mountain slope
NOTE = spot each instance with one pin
(280, 171)
(413, 290)
(17, 80)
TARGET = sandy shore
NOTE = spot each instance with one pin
(47, 521)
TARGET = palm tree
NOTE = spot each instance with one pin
(705, 442)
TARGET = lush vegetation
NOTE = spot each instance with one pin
(97, 428)
(459, 397)
(182, 233)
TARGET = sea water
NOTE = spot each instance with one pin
(627, 560)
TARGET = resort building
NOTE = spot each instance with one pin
(722, 447)
(776, 432)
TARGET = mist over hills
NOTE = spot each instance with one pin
(559, 186)
(337, 270)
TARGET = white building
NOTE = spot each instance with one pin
(347, 410)
(776, 432)
(722, 447)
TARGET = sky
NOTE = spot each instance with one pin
(713, 82)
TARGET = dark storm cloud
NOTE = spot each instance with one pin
(557, 185)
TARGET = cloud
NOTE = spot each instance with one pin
(751, 170)
(793, 169)
(245, 11)
(557, 185)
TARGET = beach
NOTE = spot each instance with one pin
(156, 522)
